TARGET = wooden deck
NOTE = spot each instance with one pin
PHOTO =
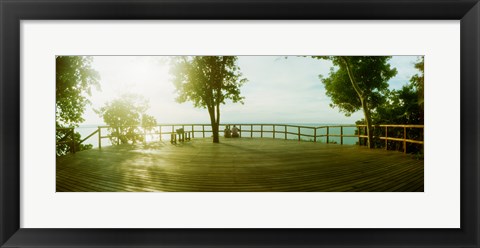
(239, 165)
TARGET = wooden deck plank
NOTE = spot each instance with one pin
(244, 165)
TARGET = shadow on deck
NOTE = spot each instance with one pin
(239, 165)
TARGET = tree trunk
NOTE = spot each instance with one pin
(216, 138)
(368, 122)
(366, 110)
(213, 122)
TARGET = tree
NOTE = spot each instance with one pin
(125, 115)
(208, 81)
(418, 81)
(149, 123)
(403, 106)
(74, 78)
(358, 82)
(74, 81)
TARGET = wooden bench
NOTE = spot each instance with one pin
(180, 135)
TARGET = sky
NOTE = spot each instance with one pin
(279, 90)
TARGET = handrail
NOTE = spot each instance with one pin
(90, 135)
(284, 130)
(71, 134)
(276, 131)
(395, 125)
(404, 139)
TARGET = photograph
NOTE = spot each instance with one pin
(239, 123)
(319, 123)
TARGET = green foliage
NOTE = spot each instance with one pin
(124, 111)
(148, 121)
(418, 83)
(358, 82)
(67, 144)
(371, 76)
(74, 81)
(208, 81)
(124, 116)
(74, 78)
(403, 106)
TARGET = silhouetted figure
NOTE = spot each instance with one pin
(227, 132)
(235, 132)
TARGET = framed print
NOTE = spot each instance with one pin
(271, 172)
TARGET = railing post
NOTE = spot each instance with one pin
(404, 139)
(328, 133)
(285, 131)
(193, 132)
(386, 137)
(298, 133)
(274, 131)
(240, 132)
(358, 134)
(251, 131)
(99, 138)
(315, 135)
(203, 130)
(341, 135)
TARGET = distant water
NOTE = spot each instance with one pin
(86, 130)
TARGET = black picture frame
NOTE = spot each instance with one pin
(13, 11)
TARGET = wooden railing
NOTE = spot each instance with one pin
(325, 134)
(69, 138)
(405, 139)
